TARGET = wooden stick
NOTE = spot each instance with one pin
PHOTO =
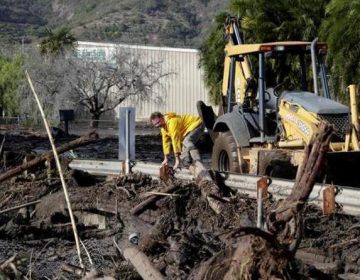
(61, 225)
(87, 252)
(2, 145)
(20, 206)
(117, 247)
(59, 169)
(142, 264)
(161, 193)
(30, 264)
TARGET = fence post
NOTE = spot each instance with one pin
(126, 137)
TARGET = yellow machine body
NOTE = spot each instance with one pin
(295, 125)
(298, 124)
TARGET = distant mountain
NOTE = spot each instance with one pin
(175, 23)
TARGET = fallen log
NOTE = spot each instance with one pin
(84, 140)
(209, 188)
(142, 264)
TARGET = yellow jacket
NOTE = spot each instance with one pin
(175, 130)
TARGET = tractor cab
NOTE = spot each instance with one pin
(274, 96)
(256, 92)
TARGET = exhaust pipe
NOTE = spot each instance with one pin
(313, 64)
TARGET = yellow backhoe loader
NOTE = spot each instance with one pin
(266, 123)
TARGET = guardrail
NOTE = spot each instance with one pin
(348, 197)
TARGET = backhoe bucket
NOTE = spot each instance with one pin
(343, 168)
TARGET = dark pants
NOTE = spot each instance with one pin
(189, 149)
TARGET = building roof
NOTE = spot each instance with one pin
(114, 45)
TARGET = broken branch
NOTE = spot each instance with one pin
(162, 194)
(20, 206)
(141, 207)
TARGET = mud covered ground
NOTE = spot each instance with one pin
(179, 233)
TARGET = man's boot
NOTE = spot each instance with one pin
(195, 155)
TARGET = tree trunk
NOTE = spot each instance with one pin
(95, 120)
(313, 164)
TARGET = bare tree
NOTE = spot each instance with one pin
(68, 82)
(101, 86)
(50, 83)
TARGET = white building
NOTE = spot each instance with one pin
(178, 92)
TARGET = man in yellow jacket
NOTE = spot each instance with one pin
(181, 132)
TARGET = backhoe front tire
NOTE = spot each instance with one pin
(224, 156)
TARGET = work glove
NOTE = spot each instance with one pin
(165, 162)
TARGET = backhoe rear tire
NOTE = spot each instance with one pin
(224, 155)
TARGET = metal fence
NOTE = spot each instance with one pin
(77, 127)
(17, 123)
(81, 123)
(11, 120)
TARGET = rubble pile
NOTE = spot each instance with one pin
(170, 222)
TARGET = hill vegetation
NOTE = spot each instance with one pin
(173, 23)
(176, 23)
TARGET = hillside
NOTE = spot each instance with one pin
(173, 23)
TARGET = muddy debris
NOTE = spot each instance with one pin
(179, 232)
